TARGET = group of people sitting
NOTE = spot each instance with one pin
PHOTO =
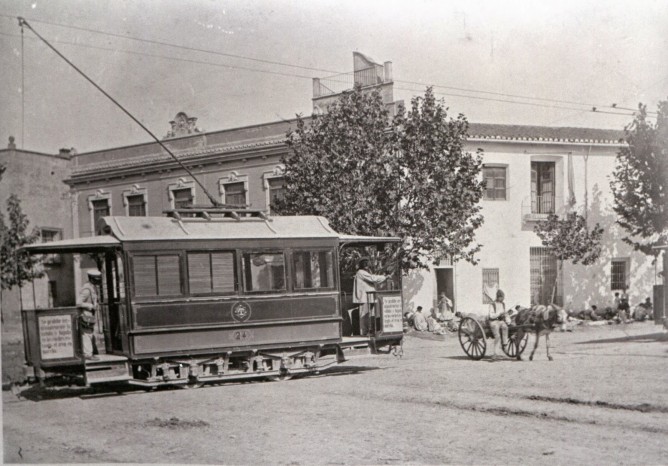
(620, 311)
(438, 320)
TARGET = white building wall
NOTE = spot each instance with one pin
(507, 240)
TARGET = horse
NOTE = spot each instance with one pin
(539, 320)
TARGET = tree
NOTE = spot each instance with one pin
(639, 181)
(16, 267)
(569, 239)
(406, 177)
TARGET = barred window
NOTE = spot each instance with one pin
(618, 274)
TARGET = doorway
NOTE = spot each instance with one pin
(445, 283)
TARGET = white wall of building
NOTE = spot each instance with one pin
(507, 239)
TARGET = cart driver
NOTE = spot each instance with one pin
(497, 321)
(89, 301)
(365, 282)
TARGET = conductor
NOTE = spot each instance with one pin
(365, 282)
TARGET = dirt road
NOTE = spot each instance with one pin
(604, 400)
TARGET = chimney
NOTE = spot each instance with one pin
(11, 145)
(65, 153)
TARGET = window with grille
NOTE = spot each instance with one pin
(136, 205)
(546, 281)
(313, 269)
(211, 272)
(157, 275)
(490, 283)
(276, 191)
(618, 274)
(182, 197)
(495, 182)
(235, 193)
(542, 187)
(264, 271)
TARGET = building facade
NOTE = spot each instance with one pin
(37, 179)
(530, 171)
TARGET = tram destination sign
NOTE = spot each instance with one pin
(56, 339)
(392, 318)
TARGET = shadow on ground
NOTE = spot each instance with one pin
(60, 389)
(648, 338)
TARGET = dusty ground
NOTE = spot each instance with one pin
(604, 400)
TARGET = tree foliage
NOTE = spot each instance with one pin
(569, 239)
(16, 267)
(407, 177)
(639, 183)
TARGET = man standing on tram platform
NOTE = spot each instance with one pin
(89, 301)
(365, 282)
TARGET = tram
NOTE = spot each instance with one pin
(215, 294)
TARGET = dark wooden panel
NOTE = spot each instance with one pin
(220, 312)
(223, 339)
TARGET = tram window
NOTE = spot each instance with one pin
(211, 272)
(264, 271)
(313, 269)
(157, 275)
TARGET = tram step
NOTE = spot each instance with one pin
(107, 369)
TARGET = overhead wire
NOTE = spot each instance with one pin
(23, 22)
(594, 108)
(201, 62)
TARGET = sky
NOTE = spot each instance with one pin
(565, 56)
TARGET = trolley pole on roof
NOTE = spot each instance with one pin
(23, 22)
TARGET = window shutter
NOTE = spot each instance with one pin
(145, 275)
(199, 273)
(222, 274)
(169, 278)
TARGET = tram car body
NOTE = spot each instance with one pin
(213, 295)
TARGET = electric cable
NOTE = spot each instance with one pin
(214, 202)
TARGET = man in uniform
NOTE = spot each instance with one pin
(89, 301)
(365, 282)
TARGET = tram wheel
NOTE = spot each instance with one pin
(281, 377)
(191, 384)
(472, 338)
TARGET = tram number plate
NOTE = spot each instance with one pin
(242, 335)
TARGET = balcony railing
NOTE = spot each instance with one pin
(536, 208)
(342, 82)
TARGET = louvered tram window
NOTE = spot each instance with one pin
(211, 272)
(157, 275)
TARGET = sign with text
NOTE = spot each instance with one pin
(392, 317)
(56, 340)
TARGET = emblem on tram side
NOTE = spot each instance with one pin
(241, 311)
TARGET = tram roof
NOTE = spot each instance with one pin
(166, 228)
(90, 244)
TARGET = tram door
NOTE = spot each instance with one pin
(115, 294)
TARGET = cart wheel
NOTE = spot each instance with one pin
(472, 338)
(192, 383)
(511, 349)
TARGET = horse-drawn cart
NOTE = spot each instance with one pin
(474, 331)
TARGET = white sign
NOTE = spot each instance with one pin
(392, 317)
(55, 337)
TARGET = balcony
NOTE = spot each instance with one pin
(336, 84)
(538, 208)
